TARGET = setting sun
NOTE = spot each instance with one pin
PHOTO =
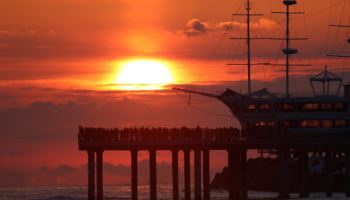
(143, 75)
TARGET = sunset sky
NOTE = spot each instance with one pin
(65, 63)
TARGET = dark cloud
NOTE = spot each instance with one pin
(60, 120)
(14, 178)
(116, 169)
(67, 175)
(196, 27)
(62, 170)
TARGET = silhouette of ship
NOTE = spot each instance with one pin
(264, 115)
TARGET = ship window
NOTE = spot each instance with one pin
(252, 107)
(287, 107)
(339, 123)
(339, 106)
(326, 106)
(264, 123)
(310, 124)
(311, 106)
(327, 123)
(278, 106)
(287, 123)
(264, 106)
(291, 124)
(270, 123)
(260, 123)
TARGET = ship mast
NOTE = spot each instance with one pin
(248, 39)
(288, 51)
(248, 46)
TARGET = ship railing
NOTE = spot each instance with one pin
(294, 94)
(305, 136)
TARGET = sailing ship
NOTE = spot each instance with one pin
(263, 115)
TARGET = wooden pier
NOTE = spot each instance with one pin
(98, 140)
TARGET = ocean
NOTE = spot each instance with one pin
(123, 192)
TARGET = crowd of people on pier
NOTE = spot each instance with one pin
(90, 134)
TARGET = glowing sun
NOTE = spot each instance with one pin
(144, 75)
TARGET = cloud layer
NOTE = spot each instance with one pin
(69, 175)
(197, 27)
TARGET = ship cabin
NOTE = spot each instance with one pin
(324, 115)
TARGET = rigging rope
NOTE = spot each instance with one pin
(318, 11)
(191, 105)
(212, 113)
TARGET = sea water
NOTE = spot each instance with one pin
(123, 192)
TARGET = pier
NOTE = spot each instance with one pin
(200, 141)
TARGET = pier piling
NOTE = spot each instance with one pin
(230, 166)
(91, 175)
(234, 173)
(99, 174)
(347, 173)
(283, 159)
(134, 163)
(243, 165)
(303, 174)
(329, 169)
(197, 175)
(187, 174)
(206, 175)
(175, 174)
(153, 174)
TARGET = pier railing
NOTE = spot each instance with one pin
(217, 138)
(100, 137)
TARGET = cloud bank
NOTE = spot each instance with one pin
(69, 175)
(197, 27)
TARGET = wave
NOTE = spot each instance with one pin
(124, 193)
(79, 198)
(61, 198)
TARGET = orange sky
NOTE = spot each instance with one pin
(64, 44)
(59, 61)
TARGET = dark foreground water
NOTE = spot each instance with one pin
(122, 192)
